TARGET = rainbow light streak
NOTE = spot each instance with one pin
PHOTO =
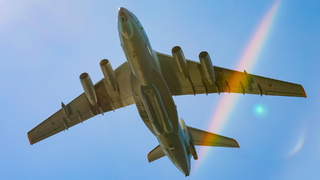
(300, 142)
(247, 61)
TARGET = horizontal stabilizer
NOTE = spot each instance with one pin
(203, 138)
(155, 154)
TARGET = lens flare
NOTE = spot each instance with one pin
(260, 110)
(247, 62)
(299, 144)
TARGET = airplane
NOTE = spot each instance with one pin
(149, 79)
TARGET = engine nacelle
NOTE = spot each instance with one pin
(181, 61)
(207, 67)
(88, 88)
(109, 74)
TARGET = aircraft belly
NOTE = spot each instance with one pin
(151, 93)
(140, 57)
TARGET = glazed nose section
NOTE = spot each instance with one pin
(124, 24)
(123, 14)
(122, 9)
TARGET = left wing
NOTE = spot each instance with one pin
(226, 81)
(80, 109)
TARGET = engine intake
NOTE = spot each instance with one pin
(109, 75)
(207, 67)
(178, 55)
(88, 88)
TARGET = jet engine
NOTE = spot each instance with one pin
(181, 61)
(207, 67)
(89, 88)
(109, 74)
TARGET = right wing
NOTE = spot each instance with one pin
(227, 80)
(80, 109)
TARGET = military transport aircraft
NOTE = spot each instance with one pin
(149, 79)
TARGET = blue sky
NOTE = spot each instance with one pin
(46, 45)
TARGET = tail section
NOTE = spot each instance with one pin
(155, 154)
(203, 138)
(195, 137)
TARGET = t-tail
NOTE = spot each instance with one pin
(196, 137)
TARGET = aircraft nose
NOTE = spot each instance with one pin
(122, 12)
(122, 9)
(124, 24)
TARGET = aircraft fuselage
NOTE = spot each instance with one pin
(151, 93)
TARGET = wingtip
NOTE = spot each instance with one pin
(303, 92)
(237, 144)
(30, 140)
(234, 143)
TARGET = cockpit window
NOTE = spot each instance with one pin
(124, 16)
